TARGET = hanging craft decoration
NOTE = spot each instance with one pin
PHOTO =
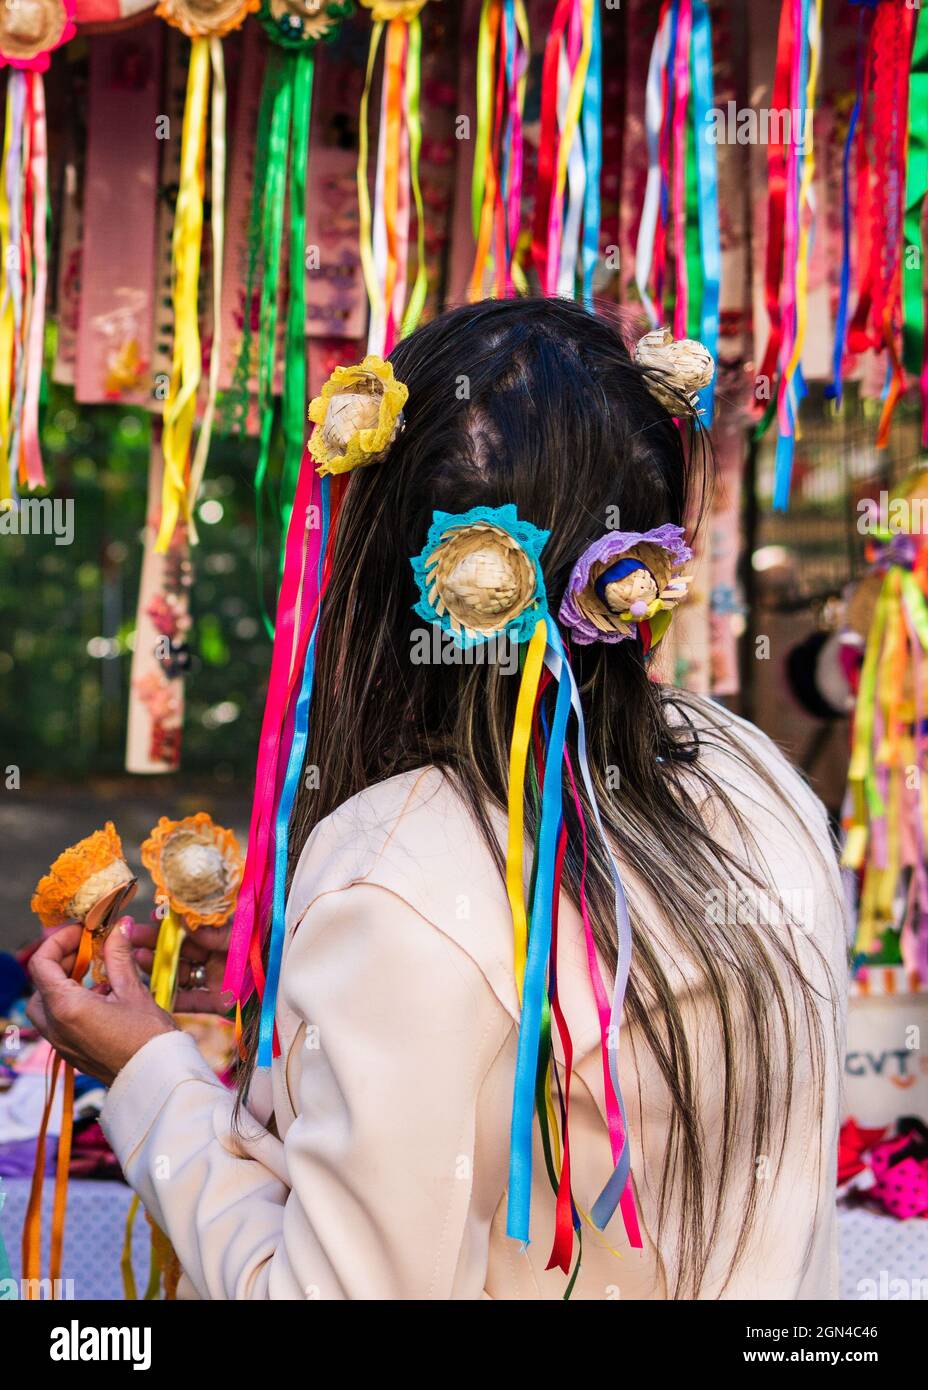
(480, 579)
(503, 53)
(204, 22)
(109, 275)
(678, 251)
(90, 884)
(565, 235)
(790, 222)
(296, 27)
(885, 818)
(161, 655)
(29, 32)
(384, 238)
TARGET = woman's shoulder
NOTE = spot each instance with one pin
(758, 805)
(413, 836)
(745, 762)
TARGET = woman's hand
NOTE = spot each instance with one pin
(96, 1030)
(202, 966)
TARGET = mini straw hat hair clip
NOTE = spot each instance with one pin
(627, 584)
(676, 369)
(357, 415)
(479, 574)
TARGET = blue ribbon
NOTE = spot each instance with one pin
(511, 35)
(539, 948)
(608, 1200)
(796, 390)
(592, 141)
(284, 810)
(708, 181)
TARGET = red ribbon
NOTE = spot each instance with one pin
(776, 199)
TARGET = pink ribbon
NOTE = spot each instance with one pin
(680, 111)
(35, 346)
(295, 608)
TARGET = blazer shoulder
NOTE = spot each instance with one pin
(414, 836)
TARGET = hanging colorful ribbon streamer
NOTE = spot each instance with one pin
(882, 157)
(384, 234)
(569, 154)
(182, 478)
(790, 223)
(678, 251)
(281, 171)
(913, 275)
(534, 964)
(26, 48)
(496, 185)
(835, 390)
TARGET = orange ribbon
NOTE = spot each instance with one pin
(32, 1226)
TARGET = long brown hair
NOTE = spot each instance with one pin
(539, 403)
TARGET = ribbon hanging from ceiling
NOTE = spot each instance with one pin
(28, 37)
(205, 25)
(882, 142)
(790, 223)
(913, 275)
(280, 182)
(496, 186)
(678, 251)
(395, 309)
(565, 229)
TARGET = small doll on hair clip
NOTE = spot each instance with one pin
(627, 584)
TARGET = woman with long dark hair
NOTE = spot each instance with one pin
(373, 1161)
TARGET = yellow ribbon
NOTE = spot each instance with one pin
(574, 99)
(163, 986)
(217, 225)
(518, 756)
(6, 314)
(365, 219)
(181, 405)
(860, 770)
(167, 958)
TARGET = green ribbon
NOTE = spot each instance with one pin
(414, 128)
(913, 324)
(235, 402)
(484, 117)
(294, 385)
(694, 275)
